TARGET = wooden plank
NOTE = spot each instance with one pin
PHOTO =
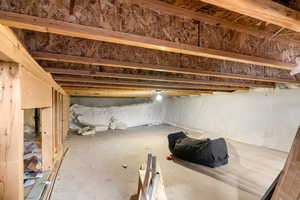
(288, 187)
(161, 68)
(35, 92)
(11, 133)
(113, 92)
(265, 10)
(66, 106)
(47, 139)
(13, 49)
(116, 86)
(153, 78)
(94, 33)
(166, 8)
(146, 84)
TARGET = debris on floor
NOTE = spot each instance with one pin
(117, 124)
(87, 131)
(32, 164)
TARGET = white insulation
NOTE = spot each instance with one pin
(129, 116)
(267, 117)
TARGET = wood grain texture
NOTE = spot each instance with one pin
(92, 73)
(170, 9)
(35, 92)
(93, 33)
(11, 133)
(47, 142)
(265, 10)
(289, 183)
(146, 84)
(115, 92)
(12, 48)
(131, 65)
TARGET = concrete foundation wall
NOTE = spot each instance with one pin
(266, 118)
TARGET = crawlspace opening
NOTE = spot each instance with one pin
(32, 149)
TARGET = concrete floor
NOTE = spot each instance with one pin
(93, 168)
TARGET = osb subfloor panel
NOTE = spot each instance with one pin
(93, 168)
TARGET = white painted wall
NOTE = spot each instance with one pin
(131, 115)
(267, 117)
(106, 102)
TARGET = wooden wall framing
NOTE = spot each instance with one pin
(25, 85)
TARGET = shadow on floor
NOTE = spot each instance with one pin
(233, 174)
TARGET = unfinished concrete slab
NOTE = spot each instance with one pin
(94, 168)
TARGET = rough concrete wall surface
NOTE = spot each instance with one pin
(104, 102)
(265, 117)
(131, 115)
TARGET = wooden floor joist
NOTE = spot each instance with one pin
(153, 78)
(115, 92)
(265, 10)
(170, 9)
(131, 65)
(134, 87)
(75, 30)
(146, 84)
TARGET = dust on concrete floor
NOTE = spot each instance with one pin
(93, 168)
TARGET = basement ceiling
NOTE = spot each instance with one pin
(151, 45)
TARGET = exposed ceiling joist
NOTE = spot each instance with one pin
(11, 49)
(170, 9)
(265, 10)
(127, 93)
(131, 65)
(94, 73)
(77, 85)
(146, 84)
(94, 33)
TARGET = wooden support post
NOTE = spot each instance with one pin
(47, 142)
(11, 133)
(288, 187)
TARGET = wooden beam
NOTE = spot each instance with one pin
(13, 50)
(75, 30)
(265, 10)
(153, 78)
(288, 187)
(11, 133)
(146, 84)
(170, 9)
(35, 93)
(127, 93)
(131, 65)
(134, 87)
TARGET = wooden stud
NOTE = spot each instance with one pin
(11, 133)
(47, 142)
